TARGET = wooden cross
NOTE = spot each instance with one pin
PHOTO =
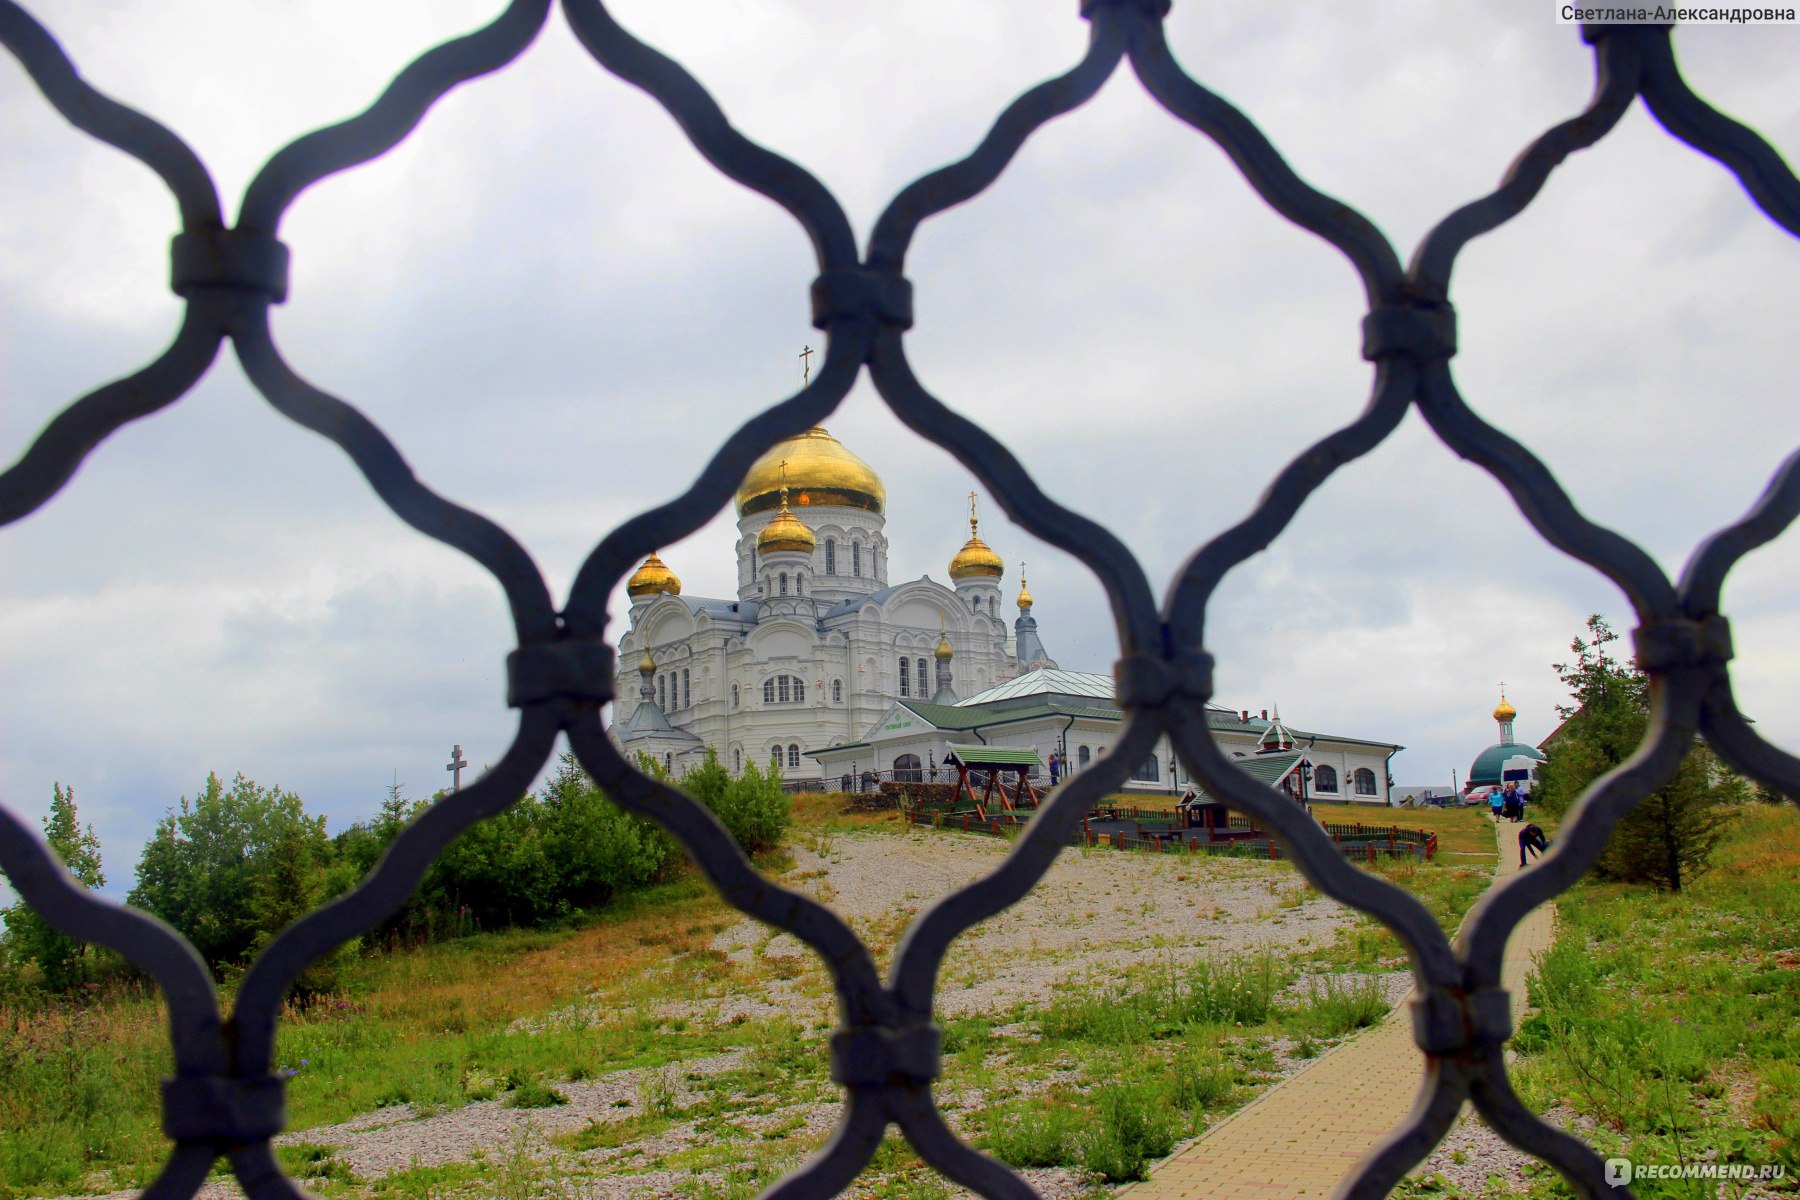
(455, 767)
(806, 354)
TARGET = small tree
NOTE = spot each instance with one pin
(1669, 837)
(232, 867)
(754, 808)
(61, 960)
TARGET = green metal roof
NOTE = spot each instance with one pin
(995, 756)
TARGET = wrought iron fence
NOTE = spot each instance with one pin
(223, 1099)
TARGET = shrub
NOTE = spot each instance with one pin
(753, 807)
(1334, 1007)
(1136, 1125)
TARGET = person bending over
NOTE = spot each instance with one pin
(1531, 839)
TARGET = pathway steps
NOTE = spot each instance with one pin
(1299, 1138)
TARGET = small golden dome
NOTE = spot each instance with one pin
(652, 579)
(1505, 712)
(818, 470)
(646, 664)
(943, 650)
(1024, 589)
(785, 532)
(976, 560)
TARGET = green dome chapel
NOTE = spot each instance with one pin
(1488, 765)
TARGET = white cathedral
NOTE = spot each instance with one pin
(823, 668)
(818, 644)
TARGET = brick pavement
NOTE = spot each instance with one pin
(1304, 1134)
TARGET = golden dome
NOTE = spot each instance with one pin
(646, 664)
(1505, 712)
(943, 650)
(653, 578)
(976, 560)
(1024, 591)
(785, 532)
(819, 472)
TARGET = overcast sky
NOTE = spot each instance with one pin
(557, 310)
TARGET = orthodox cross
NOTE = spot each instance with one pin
(806, 353)
(455, 767)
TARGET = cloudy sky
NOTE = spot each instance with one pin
(557, 310)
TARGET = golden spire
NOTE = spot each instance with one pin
(1024, 589)
(976, 560)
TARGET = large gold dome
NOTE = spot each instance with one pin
(819, 472)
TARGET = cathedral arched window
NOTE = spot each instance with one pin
(669, 763)
(1082, 756)
(831, 556)
(684, 688)
(768, 691)
(734, 695)
(662, 692)
(1148, 771)
(737, 761)
(905, 677)
(784, 583)
(856, 559)
(837, 691)
(799, 585)
(799, 692)
(907, 769)
(774, 758)
(975, 603)
(1324, 779)
(781, 688)
(1364, 780)
(924, 687)
(794, 756)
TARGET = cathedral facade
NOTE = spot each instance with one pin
(819, 643)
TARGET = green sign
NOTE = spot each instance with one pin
(899, 723)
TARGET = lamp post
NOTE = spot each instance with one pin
(1305, 769)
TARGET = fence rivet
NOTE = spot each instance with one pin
(231, 260)
(1417, 332)
(841, 294)
(581, 670)
(224, 1110)
(1673, 643)
(877, 1056)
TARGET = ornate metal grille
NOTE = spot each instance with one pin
(223, 1100)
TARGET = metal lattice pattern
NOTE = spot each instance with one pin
(224, 1100)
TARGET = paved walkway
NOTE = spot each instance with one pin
(1302, 1135)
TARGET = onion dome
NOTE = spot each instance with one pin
(943, 651)
(1505, 712)
(785, 532)
(818, 470)
(646, 664)
(653, 578)
(1024, 590)
(976, 560)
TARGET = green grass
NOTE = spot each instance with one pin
(1674, 1019)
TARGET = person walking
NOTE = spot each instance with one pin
(1495, 800)
(1055, 768)
(1532, 839)
(1509, 801)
